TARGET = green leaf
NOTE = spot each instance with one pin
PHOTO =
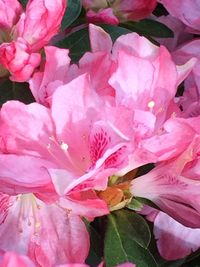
(150, 28)
(177, 263)
(24, 3)
(126, 240)
(95, 254)
(135, 205)
(6, 91)
(77, 42)
(23, 93)
(71, 14)
(15, 91)
(114, 31)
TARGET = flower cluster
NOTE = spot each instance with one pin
(108, 137)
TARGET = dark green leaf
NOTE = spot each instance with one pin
(95, 254)
(150, 28)
(71, 14)
(126, 240)
(23, 93)
(148, 202)
(24, 2)
(77, 42)
(114, 31)
(6, 91)
(177, 263)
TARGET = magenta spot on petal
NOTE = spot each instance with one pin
(4, 207)
(116, 158)
(99, 144)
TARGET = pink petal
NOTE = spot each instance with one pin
(99, 39)
(167, 231)
(56, 67)
(20, 173)
(10, 11)
(25, 129)
(40, 22)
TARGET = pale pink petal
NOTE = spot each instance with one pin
(99, 39)
(10, 11)
(163, 146)
(23, 173)
(11, 259)
(55, 69)
(99, 66)
(68, 235)
(187, 11)
(178, 28)
(167, 231)
(48, 234)
(25, 129)
(69, 98)
(175, 194)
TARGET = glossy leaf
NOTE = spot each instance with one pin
(77, 42)
(149, 27)
(6, 91)
(71, 14)
(114, 31)
(126, 240)
(23, 2)
(95, 254)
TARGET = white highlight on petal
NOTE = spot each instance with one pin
(151, 104)
(64, 146)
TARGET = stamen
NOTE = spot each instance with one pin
(64, 146)
(28, 212)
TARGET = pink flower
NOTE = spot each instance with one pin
(77, 141)
(40, 22)
(10, 12)
(187, 11)
(190, 100)
(123, 10)
(49, 234)
(54, 73)
(19, 60)
(111, 76)
(168, 231)
(174, 185)
(179, 30)
(24, 34)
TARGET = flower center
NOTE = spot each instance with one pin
(28, 211)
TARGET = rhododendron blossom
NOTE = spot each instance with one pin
(174, 185)
(24, 33)
(112, 12)
(187, 11)
(99, 132)
(29, 227)
(74, 148)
